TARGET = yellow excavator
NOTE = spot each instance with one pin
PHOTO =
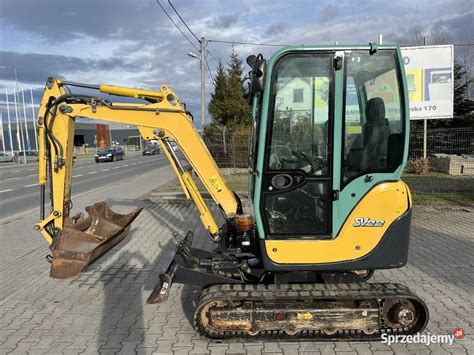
(329, 142)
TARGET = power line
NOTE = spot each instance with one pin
(174, 23)
(249, 43)
(213, 56)
(287, 45)
(209, 71)
(210, 77)
(194, 35)
(177, 13)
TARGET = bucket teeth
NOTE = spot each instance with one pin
(84, 239)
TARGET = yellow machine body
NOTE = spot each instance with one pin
(385, 202)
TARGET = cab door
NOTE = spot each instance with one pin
(373, 128)
(296, 184)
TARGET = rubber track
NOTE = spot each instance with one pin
(307, 292)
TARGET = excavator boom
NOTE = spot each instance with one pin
(76, 241)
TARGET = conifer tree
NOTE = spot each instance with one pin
(217, 103)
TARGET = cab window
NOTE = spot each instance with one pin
(297, 183)
(374, 117)
(299, 135)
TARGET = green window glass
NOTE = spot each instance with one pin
(301, 114)
(297, 187)
(373, 120)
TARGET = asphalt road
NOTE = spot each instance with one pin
(19, 189)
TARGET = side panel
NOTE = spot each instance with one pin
(359, 235)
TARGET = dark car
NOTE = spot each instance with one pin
(151, 150)
(109, 154)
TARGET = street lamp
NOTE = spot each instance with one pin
(19, 131)
(201, 58)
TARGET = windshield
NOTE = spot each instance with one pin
(106, 150)
(297, 199)
(301, 112)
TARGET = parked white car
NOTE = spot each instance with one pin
(4, 158)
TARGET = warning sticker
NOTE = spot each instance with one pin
(215, 183)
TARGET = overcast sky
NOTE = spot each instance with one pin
(133, 43)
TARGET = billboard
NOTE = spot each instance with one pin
(430, 81)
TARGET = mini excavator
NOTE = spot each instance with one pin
(329, 142)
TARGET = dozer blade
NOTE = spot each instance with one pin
(83, 240)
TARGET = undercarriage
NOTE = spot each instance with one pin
(241, 300)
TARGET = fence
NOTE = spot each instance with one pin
(231, 150)
(442, 141)
(449, 150)
(450, 153)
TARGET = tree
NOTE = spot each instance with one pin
(228, 106)
(463, 107)
(230, 114)
(217, 103)
(237, 108)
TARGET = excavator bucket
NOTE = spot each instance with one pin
(83, 240)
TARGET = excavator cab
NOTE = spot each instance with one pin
(330, 125)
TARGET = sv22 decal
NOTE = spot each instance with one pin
(367, 222)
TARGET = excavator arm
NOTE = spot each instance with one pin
(76, 241)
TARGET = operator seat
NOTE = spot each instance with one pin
(376, 133)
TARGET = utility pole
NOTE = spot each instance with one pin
(425, 126)
(19, 134)
(203, 83)
(1, 125)
(202, 66)
(28, 143)
(16, 102)
(18, 115)
(34, 118)
(9, 122)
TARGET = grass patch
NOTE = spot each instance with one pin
(238, 182)
(431, 174)
(465, 199)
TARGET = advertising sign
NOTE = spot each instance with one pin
(430, 80)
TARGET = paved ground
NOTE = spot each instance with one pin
(104, 309)
(19, 189)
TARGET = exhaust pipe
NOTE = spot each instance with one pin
(83, 240)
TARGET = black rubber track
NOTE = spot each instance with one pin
(306, 292)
